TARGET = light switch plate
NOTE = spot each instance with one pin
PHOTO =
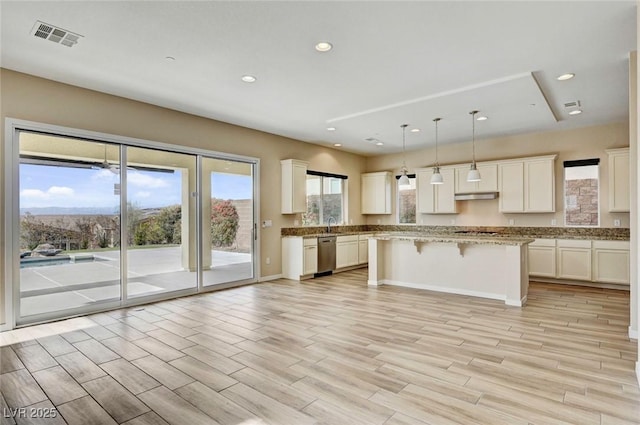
(616, 223)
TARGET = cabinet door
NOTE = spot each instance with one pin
(539, 186)
(619, 180)
(444, 193)
(489, 176)
(574, 263)
(376, 193)
(294, 186)
(511, 186)
(462, 185)
(352, 253)
(310, 259)
(425, 200)
(542, 261)
(611, 266)
(363, 251)
(346, 254)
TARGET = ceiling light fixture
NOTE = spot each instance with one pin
(482, 118)
(404, 179)
(415, 130)
(337, 145)
(331, 129)
(324, 46)
(565, 77)
(474, 174)
(170, 58)
(436, 177)
(249, 78)
(379, 143)
(575, 112)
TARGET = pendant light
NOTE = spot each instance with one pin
(436, 177)
(404, 179)
(474, 174)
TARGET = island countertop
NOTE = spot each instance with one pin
(484, 239)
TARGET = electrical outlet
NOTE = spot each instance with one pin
(453, 221)
(511, 222)
(554, 222)
(616, 223)
(296, 222)
(378, 221)
(267, 260)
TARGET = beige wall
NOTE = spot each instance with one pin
(589, 142)
(34, 99)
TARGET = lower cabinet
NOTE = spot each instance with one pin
(310, 257)
(542, 258)
(363, 249)
(346, 251)
(611, 262)
(299, 257)
(574, 259)
(582, 260)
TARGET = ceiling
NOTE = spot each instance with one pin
(391, 63)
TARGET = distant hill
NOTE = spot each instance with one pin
(69, 211)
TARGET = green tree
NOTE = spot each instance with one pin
(169, 220)
(224, 222)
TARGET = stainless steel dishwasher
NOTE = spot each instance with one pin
(326, 255)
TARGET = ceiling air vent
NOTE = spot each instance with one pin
(571, 105)
(55, 34)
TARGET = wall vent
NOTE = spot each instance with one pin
(55, 34)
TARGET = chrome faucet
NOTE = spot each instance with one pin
(329, 223)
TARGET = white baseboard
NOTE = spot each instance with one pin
(633, 333)
(373, 283)
(445, 289)
(519, 303)
(638, 372)
(268, 278)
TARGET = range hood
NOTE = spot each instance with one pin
(475, 196)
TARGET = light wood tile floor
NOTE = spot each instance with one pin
(332, 351)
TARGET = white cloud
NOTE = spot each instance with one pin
(145, 181)
(52, 192)
(143, 194)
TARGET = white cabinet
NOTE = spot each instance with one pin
(376, 193)
(435, 198)
(618, 180)
(299, 257)
(346, 251)
(527, 185)
(294, 186)
(310, 256)
(611, 262)
(574, 259)
(363, 248)
(542, 258)
(488, 182)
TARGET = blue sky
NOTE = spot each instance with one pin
(47, 186)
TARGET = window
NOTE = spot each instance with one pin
(581, 193)
(407, 201)
(325, 198)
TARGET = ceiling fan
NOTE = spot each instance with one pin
(106, 165)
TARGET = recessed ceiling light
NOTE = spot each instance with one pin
(379, 143)
(575, 112)
(565, 77)
(337, 145)
(331, 129)
(324, 46)
(248, 78)
(482, 118)
(415, 130)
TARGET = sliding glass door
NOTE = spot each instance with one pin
(228, 230)
(69, 232)
(103, 224)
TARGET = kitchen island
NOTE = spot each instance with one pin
(488, 266)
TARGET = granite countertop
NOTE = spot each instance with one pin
(478, 239)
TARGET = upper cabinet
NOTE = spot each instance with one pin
(488, 173)
(527, 185)
(618, 180)
(294, 186)
(435, 198)
(376, 193)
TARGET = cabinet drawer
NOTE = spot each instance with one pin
(349, 238)
(622, 245)
(310, 242)
(543, 242)
(574, 243)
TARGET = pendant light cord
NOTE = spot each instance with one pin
(404, 155)
(473, 135)
(436, 121)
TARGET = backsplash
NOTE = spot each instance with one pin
(603, 233)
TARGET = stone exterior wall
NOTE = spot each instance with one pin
(245, 224)
(581, 198)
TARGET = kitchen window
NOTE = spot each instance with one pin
(325, 198)
(407, 201)
(581, 193)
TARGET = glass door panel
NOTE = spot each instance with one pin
(162, 243)
(227, 221)
(69, 233)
